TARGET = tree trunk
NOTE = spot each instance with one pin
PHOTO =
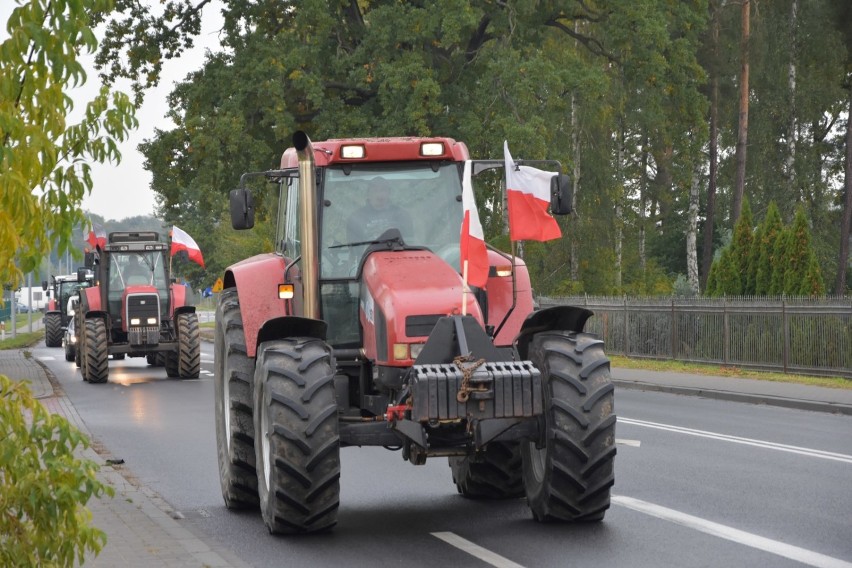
(742, 130)
(643, 207)
(575, 150)
(619, 212)
(846, 223)
(692, 230)
(790, 166)
(707, 247)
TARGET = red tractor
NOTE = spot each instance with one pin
(353, 333)
(58, 312)
(135, 310)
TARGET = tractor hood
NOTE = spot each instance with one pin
(403, 295)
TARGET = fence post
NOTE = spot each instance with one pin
(626, 330)
(785, 340)
(672, 334)
(726, 332)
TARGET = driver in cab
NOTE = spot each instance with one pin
(378, 214)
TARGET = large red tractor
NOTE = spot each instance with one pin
(58, 315)
(135, 310)
(353, 333)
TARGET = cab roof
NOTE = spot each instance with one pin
(390, 149)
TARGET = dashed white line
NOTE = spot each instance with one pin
(738, 440)
(785, 550)
(475, 550)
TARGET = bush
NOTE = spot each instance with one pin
(44, 487)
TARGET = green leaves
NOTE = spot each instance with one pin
(44, 485)
(44, 169)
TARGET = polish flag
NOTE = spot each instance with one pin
(472, 243)
(182, 241)
(97, 236)
(528, 196)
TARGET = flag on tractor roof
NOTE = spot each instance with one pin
(182, 241)
(528, 197)
(472, 244)
(96, 235)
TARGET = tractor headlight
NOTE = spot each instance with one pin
(152, 321)
(400, 351)
(135, 321)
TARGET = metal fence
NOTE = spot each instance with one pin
(792, 335)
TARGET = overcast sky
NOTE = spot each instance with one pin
(124, 190)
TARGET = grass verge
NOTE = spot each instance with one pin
(21, 340)
(731, 372)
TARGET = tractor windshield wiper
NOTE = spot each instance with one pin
(390, 236)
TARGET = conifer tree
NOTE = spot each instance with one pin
(742, 247)
(797, 254)
(778, 268)
(769, 232)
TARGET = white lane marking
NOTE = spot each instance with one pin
(204, 360)
(623, 442)
(796, 553)
(205, 372)
(475, 550)
(738, 440)
(47, 358)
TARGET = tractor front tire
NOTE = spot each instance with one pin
(498, 474)
(189, 346)
(53, 329)
(569, 478)
(96, 353)
(233, 378)
(297, 435)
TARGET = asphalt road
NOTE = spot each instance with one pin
(698, 483)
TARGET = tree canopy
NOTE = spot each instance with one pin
(619, 91)
(48, 145)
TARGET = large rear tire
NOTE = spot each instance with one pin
(96, 353)
(569, 479)
(298, 441)
(53, 329)
(233, 378)
(189, 346)
(497, 475)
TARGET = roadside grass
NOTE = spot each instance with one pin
(21, 340)
(731, 372)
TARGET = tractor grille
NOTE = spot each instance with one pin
(143, 307)
(497, 390)
(421, 326)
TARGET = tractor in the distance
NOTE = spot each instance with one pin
(358, 330)
(58, 315)
(135, 310)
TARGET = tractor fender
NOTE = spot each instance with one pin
(291, 326)
(91, 299)
(178, 296)
(183, 310)
(256, 280)
(562, 318)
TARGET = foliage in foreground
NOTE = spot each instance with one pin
(44, 487)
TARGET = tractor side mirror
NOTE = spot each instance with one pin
(561, 194)
(242, 209)
(81, 274)
(44, 285)
(90, 260)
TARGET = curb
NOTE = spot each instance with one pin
(768, 400)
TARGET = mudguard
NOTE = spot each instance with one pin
(257, 279)
(566, 318)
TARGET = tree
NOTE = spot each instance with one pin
(44, 174)
(44, 165)
(43, 486)
(742, 249)
(742, 131)
(768, 234)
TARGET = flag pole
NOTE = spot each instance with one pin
(464, 289)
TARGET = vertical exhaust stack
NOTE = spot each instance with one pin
(308, 223)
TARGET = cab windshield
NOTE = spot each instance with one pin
(360, 202)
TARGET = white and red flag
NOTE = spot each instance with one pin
(472, 243)
(96, 236)
(182, 241)
(528, 197)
